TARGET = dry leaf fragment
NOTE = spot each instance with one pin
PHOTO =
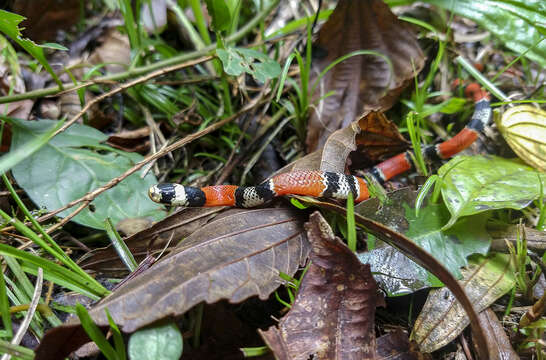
(234, 258)
(333, 315)
(498, 342)
(362, 82)
(442, 318)
(373, 134)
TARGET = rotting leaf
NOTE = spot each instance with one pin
(524, 128)
(362, 82)
(375, 136)
(474, 184)
(395, 345)
(497, 340)
(333, 314)
(222, 260)
(442, 318)
(152, 240)
(423, 258)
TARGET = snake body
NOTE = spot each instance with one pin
(321, 183)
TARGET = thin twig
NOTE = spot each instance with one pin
(129, 84)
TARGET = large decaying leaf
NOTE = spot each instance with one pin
(235, 257)
(504, 18)
(422, 257)
(524, 128)
(70, 166)
(473, 184)
(333, 314)
(362, 82)
(442, 318)
(399, 275)
(152, 240)
(498, 341)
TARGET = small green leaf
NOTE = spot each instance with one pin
(450, 247)
(221, 16)
(239, 60)
(54, 46)
(478, 183)
(9, 25)
(162, 342)
(74, 163)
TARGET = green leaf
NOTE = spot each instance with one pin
(239, 60)
(221, 16)
(450, 247)
(398, 274)
(70, 166)
(9, 25)
(162, 342)
(504, 18)
(473, 184)
(17, 155)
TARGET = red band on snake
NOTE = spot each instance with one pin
(320, 183)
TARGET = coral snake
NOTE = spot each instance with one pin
(320, 183)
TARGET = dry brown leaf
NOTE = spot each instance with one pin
(361, 82)
(137, 140)
(333, 314)
(375, 137)
(497, 340)
(44, 18)
(395, 346)
(234, 258)
(152, 240)
(442, 318)
(114, 51)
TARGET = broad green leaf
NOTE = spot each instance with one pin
(239, 60)
(473, 184)
(516, 22)
(9, 25)
(524, 129)
(451, 247)
(17, 155)
(221, 16)
(442, 318)
(399, 275)
(162, 342)
(74, 163)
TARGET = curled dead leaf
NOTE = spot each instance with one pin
(333, 314)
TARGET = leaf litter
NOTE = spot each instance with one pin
(242, 251)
